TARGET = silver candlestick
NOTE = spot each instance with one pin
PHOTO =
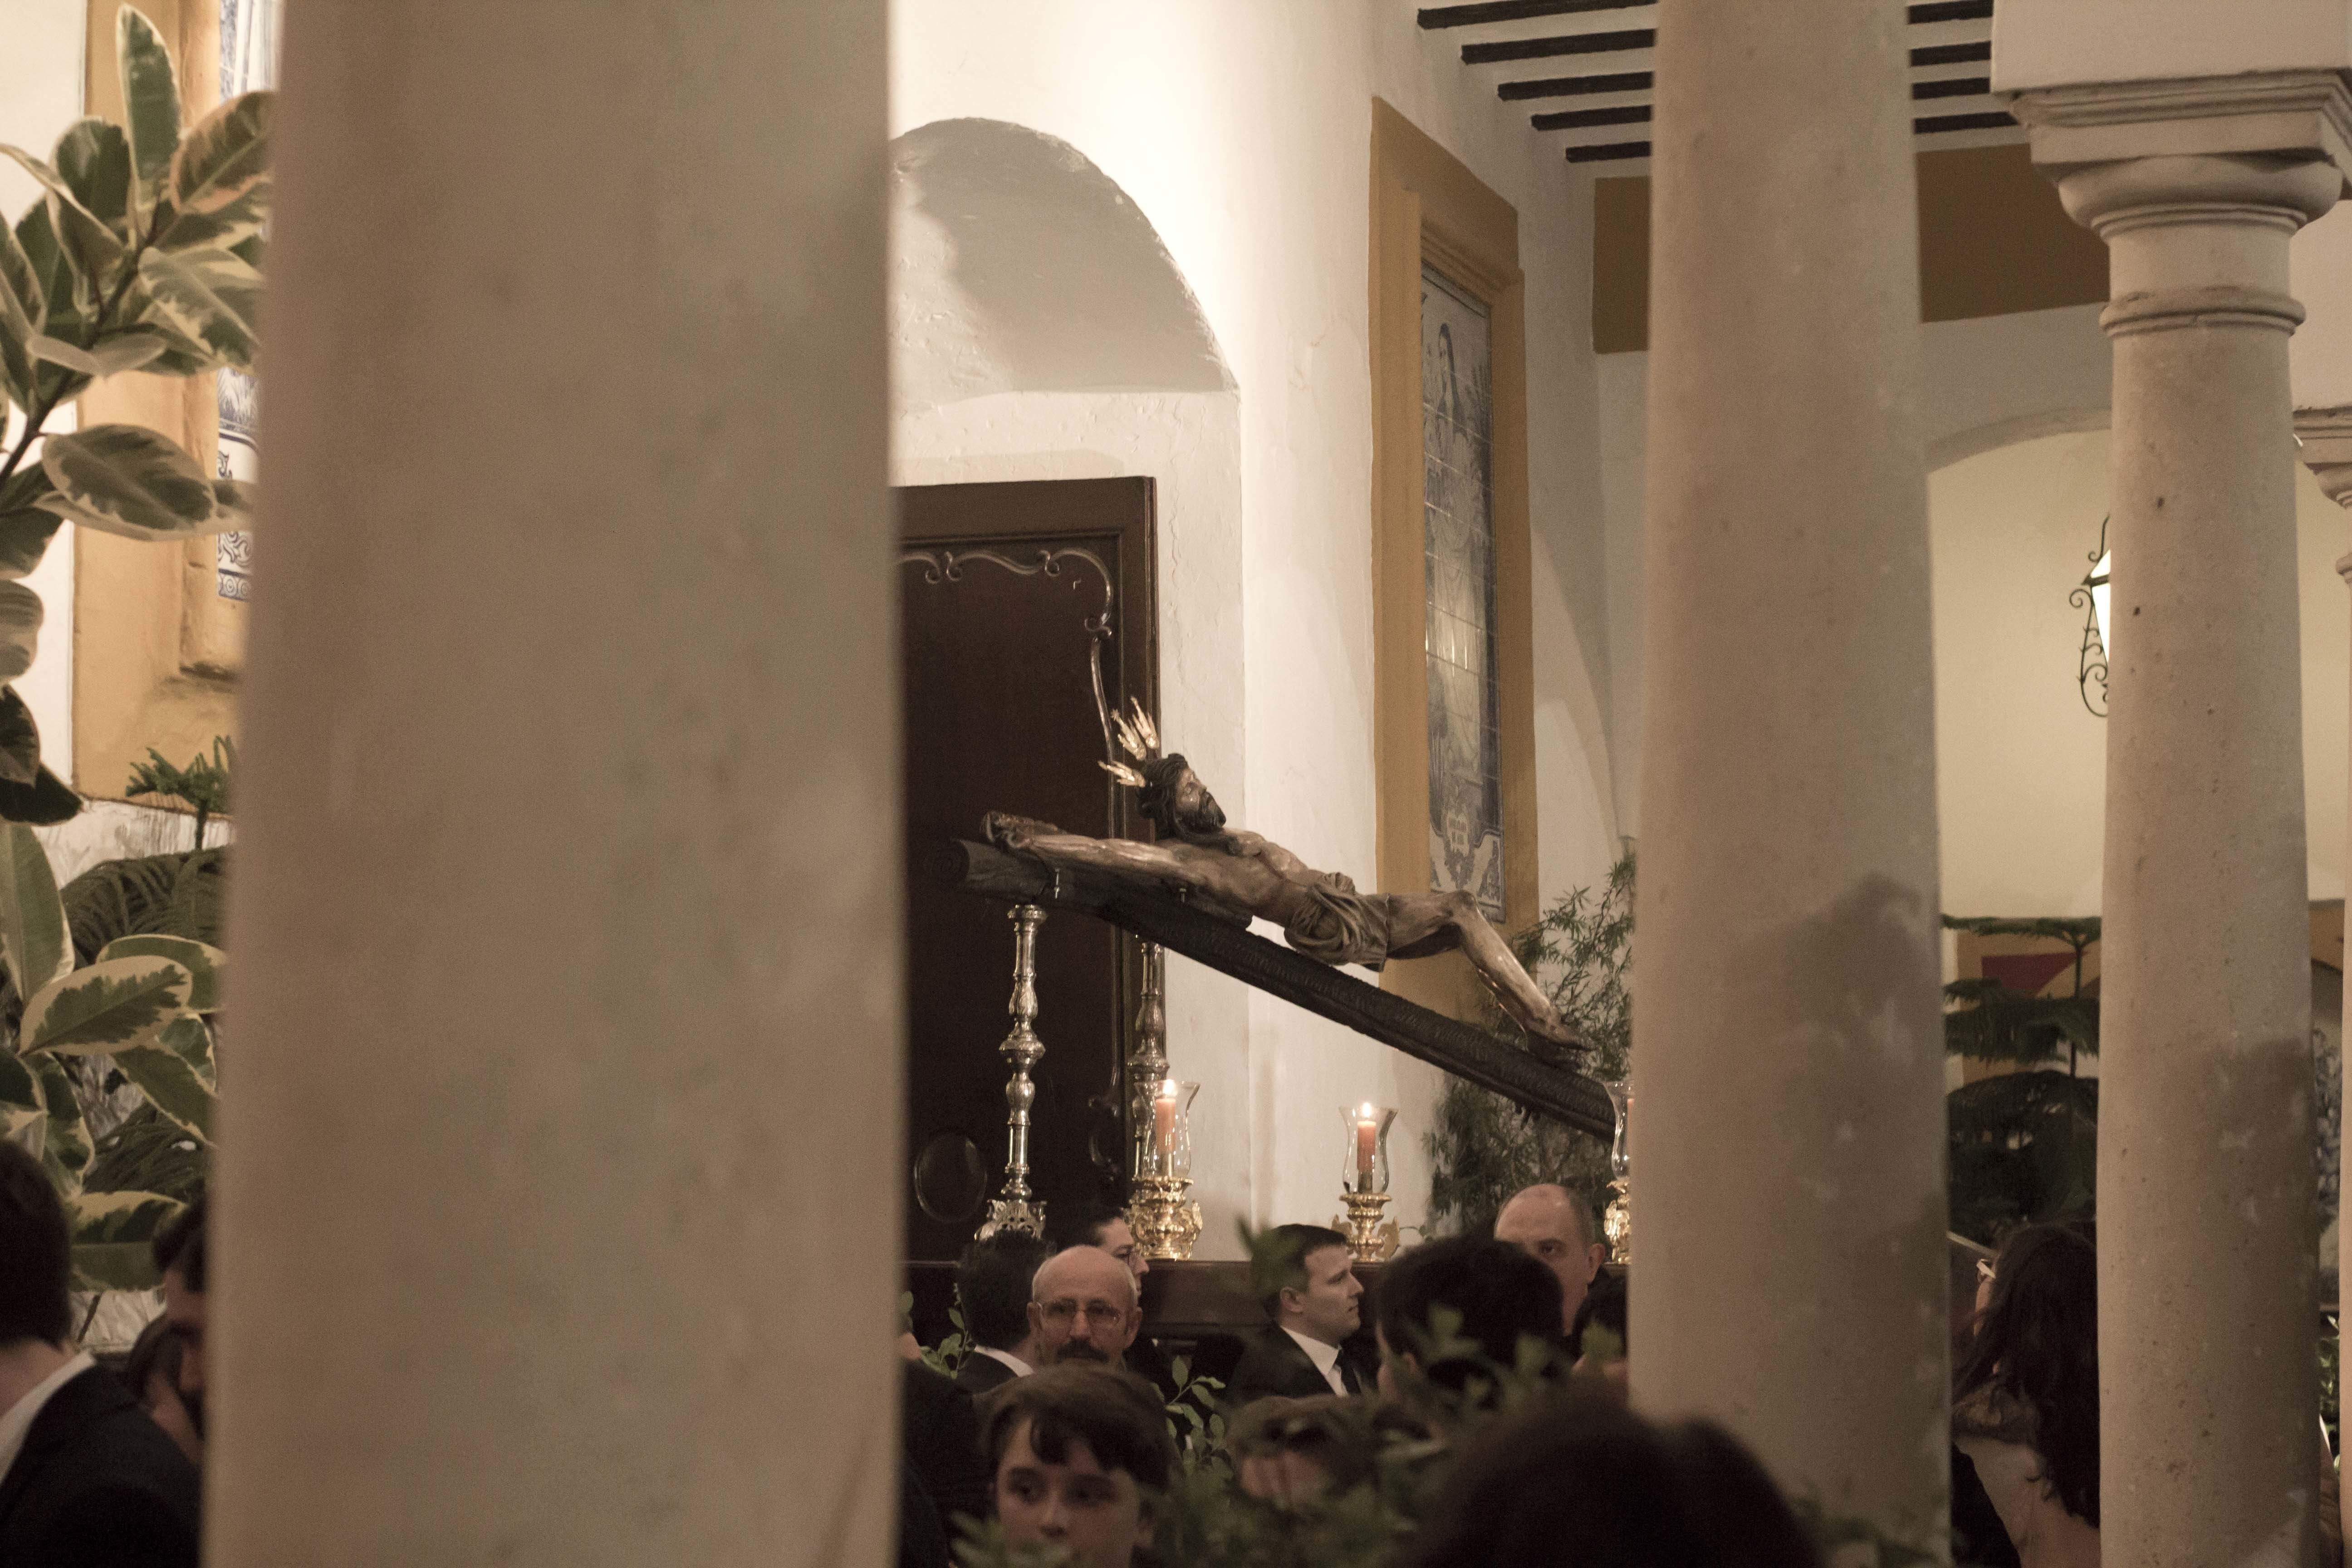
(1014, 1208)
(1146, 1064)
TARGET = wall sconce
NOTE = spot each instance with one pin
(2090, 597)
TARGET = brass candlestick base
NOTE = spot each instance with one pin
(1369, 1237)
(1166, 1221)
(1617, 1220)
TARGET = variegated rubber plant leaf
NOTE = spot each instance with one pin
(220, 176)
(114, 1238)
(170, 1084)
(128, 479)
(20, 739)
(93, 160)
(34, 940)
(150, 109)
(20, 628)
(111, 1006)
(65, 1141)
(212, 297)
(205, 964)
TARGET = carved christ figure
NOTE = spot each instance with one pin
(1243, 874)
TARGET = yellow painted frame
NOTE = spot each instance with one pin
(1426, 206)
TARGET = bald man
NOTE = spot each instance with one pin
(1084, 1306)
(1554, 1226)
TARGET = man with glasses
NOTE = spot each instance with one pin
(1082, 1306)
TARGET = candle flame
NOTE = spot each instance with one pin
(1167, 1088)
(1365, 1111)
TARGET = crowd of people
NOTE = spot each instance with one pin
(1075, 1446)
(1055, 1422)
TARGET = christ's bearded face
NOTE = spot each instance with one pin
(1190, 806)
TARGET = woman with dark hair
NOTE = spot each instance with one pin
(2025, 1406)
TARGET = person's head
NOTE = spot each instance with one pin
(152, 1373)
(1554, 1226)
(2037, 1346)
(1306, 1280)
(1499, 1293)
(1097, 1225)
(36, 1254)
(179, 1253)
(1079, 1454)
(992, 1283)
(1082, 1306)
(1576, 1481)
(1179, 804)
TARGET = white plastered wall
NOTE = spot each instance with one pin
(1242, 132)
(2015, 413)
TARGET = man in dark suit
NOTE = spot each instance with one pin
(1311, 1293)
(992, 1285)
(87, 1479)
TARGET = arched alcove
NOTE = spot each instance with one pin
(1018, 266)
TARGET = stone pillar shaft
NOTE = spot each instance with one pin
(559, 1175)
(1787, 1126)
(2207, 1311)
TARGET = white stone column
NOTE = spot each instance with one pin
(2207, 1314)
(1788, 1129)
(558, 1188)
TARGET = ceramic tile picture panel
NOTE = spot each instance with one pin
(248, 61)
(1466, 751)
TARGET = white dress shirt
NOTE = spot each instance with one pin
(21, 1414)
(1020, 1368)
(1325, 1357)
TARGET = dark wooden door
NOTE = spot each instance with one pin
(1008, 594)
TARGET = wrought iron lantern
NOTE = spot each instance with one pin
(2090, 597)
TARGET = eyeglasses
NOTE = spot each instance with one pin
(1093, 1312)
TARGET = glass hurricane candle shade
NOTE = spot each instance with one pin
(1163, 1142)
(1364, 1168)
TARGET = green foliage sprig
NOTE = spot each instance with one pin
(144, 253)
(1482, 1147)
(202, 785)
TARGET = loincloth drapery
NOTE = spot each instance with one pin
(1338, 924)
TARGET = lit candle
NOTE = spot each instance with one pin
(1367, 1138)
(1163, 1119)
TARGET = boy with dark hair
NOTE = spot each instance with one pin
(86, 1478)
(1078, 1452)
(1500, 1294)
(1305, 1277)
(992, 1285)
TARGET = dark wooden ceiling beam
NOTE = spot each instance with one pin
(1552, 49)
(1926, 125)
(1435, 16)
(1642, 81)
(1482, 12)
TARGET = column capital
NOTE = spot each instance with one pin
(2295, 116)
(2326, 438)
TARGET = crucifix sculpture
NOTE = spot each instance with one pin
(1244, 875)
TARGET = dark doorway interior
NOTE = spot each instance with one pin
(1002, 588)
